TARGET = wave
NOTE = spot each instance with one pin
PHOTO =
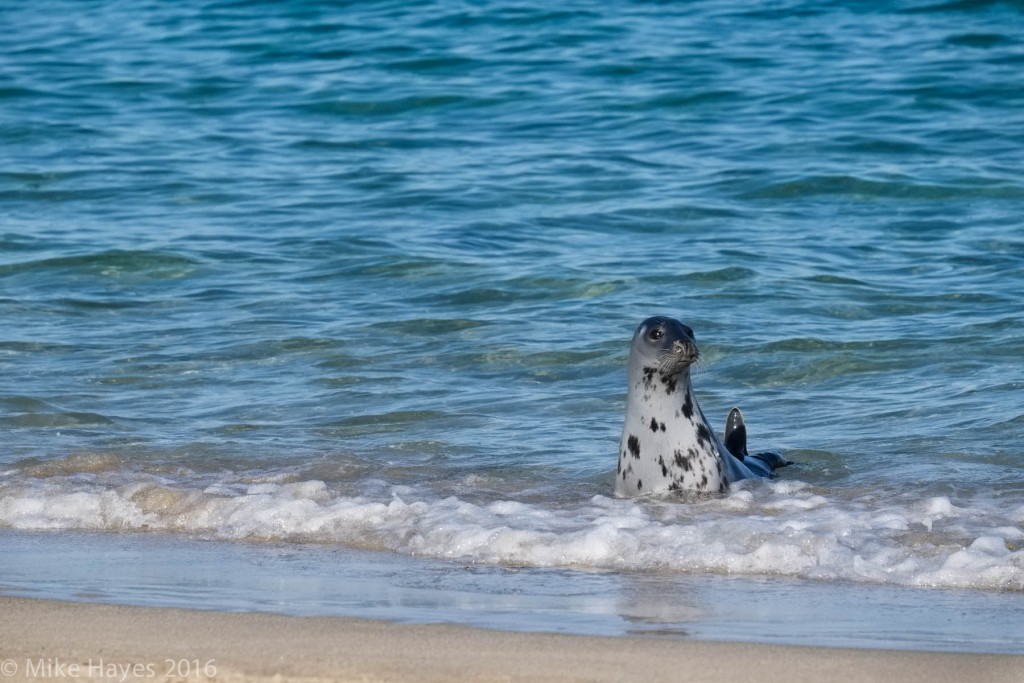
(759, 529)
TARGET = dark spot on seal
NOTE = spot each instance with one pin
(703, 435)
(718, 466)
(674, 486)
(648, 377)
(670, 383)
(682, 461)
(661, 461)
(634, 445)
(688, 406)
(662, 425)
(722, 487)
(654, 425)
(639, 484)
(704, 482)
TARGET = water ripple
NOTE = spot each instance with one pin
(421, 235)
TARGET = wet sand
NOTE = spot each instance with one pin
(53, 640)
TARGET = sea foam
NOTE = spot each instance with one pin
(764, 528)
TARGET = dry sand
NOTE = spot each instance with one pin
(51, 640)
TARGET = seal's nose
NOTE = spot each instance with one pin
(686, 349)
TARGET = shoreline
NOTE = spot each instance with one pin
(43, 639)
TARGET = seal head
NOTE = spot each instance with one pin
(667, 444)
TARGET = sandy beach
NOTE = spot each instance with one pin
(52, 640)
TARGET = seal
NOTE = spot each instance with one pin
(667, 444)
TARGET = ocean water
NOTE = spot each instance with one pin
(352, 284)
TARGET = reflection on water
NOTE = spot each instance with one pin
(160, 570)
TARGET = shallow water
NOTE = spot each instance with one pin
(364, 277)
(318, 580)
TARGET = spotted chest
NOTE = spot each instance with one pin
(666, 443)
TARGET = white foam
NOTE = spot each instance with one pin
(770, 528)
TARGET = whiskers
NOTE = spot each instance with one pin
(699, 367)
(675, 361)
(667, 362)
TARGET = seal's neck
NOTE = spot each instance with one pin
(654, 379)
(675, 383)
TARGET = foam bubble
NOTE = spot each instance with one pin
(789, 529)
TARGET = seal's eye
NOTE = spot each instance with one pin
(656, 334)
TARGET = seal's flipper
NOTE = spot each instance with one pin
(769, 461)
(736, 441)
(736, 434)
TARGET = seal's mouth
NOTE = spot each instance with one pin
(682, 355)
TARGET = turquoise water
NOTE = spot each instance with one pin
(364, 276)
